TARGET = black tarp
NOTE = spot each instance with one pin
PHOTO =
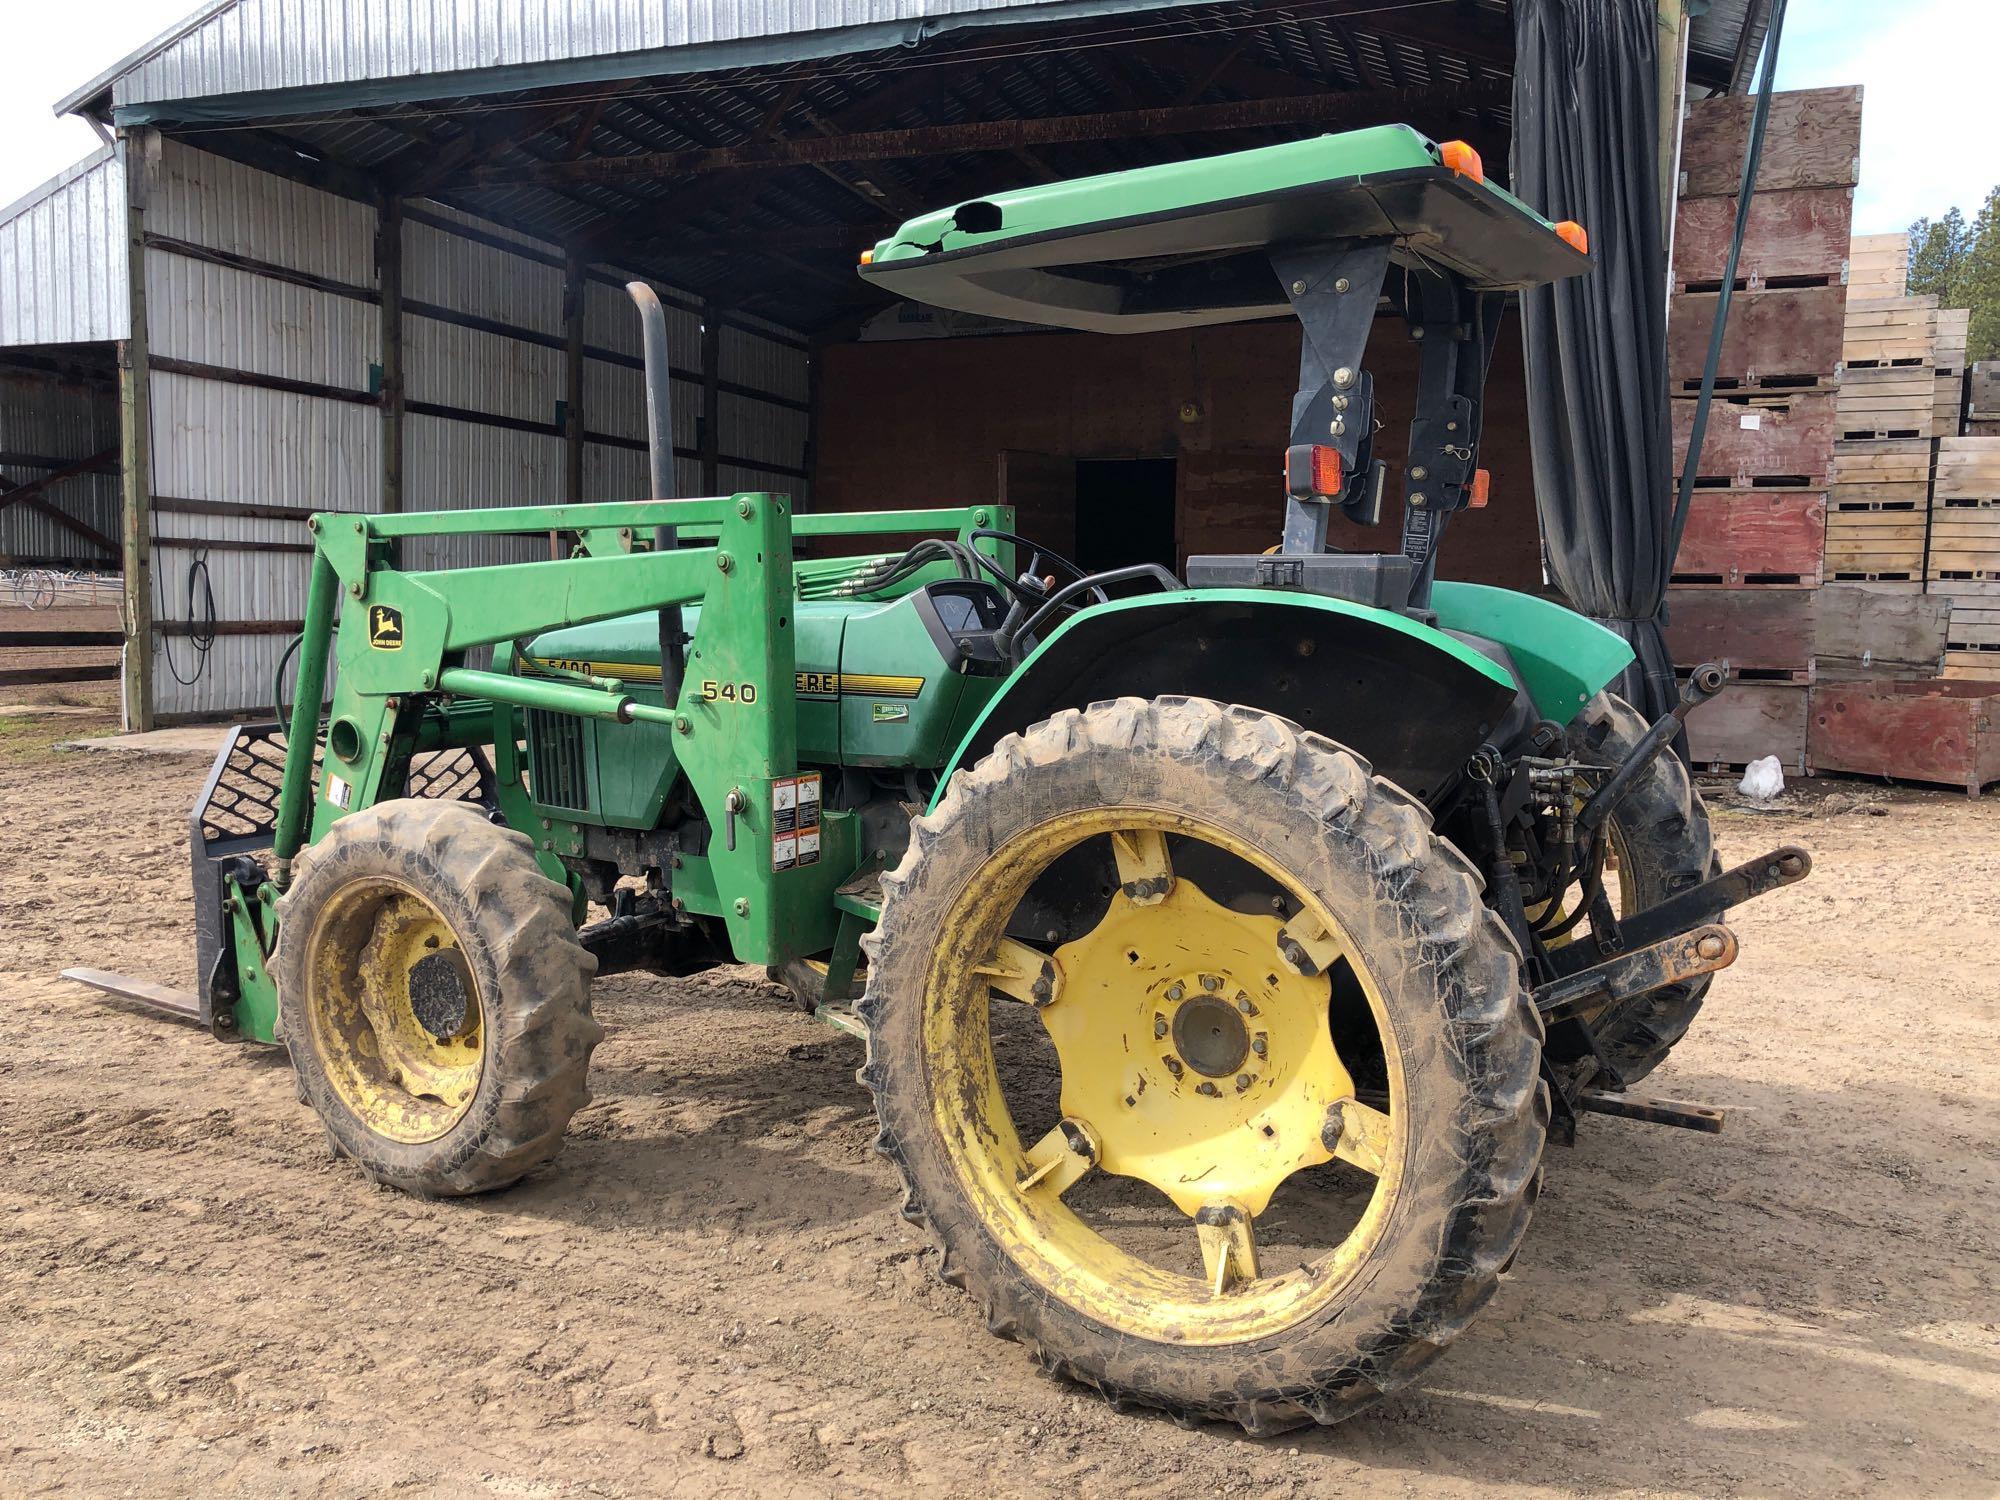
(1586, 124)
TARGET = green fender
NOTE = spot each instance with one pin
(1413, 699)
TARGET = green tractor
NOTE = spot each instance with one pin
(1226, 947)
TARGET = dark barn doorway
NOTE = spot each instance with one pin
(1124, 512)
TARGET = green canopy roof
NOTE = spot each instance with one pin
(1186, 243)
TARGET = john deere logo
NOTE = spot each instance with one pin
(385, 628)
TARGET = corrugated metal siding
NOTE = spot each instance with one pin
(63, 273)
(280, 44)
(218, 315)
(67, 421)
(228, 443)
(225, 443)
(211, 200)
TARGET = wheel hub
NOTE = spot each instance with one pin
(1208, 1032)
(1200, 1063)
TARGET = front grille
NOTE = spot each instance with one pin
(557, 772)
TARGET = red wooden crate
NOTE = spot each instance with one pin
(1812, 139)
(1800, 233)
(1753, 536)
(1779, 439)
(1946, 732)
(1782, 338)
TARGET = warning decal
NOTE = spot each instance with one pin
(795, 804)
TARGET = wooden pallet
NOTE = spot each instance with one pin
(1812, 140)
(1897, 470)
(1763, 633)
(1775, 339)
(1878, 266)
(1946, 732)
(1972, 666)
(1968, 468)
(1766, 537)
(1965, 540)
(1895, 331)
(1794, 238)
(1896, 402)
(1871, 631)
(1947, 404)
(1982, 392)
(1749, 721)
(1954, 327)
(1875, 541)
(1774, 440)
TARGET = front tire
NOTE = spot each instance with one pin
(434, 997)
(1454, 1140)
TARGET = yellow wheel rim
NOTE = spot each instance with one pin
(1196, 1057)
(396, 1015)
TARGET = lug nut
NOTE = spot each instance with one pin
(1242, 1082)
(1211, 982)
(1176, 990)
(1159, 1027)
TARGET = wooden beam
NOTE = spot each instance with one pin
(25, 493)
(576, 291)
(11, 494)
(413, 172)
(1003, 135)
(142, 157)
(389, 282)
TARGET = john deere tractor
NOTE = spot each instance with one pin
(1226, 947)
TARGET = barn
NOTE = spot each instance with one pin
(340, 255)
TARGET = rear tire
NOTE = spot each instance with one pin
(1664, 844)
(434, 997)
(1463, 1177)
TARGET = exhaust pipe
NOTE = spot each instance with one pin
(660, 460)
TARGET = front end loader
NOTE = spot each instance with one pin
(1226, 947)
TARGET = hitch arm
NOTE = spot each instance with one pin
(1703, 684)
(1678, 958)
(1785, 865)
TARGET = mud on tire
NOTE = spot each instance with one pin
(1469, 1037)
(530, 972)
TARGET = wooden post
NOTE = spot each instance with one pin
(709, 439)
(389, 282)
(576, 293)
(141, 151)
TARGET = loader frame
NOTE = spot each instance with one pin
(403, 688)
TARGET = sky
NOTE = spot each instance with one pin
(1926, 66)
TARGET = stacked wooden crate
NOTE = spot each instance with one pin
(1878, 511)
(1964, 564)
(1753, 557)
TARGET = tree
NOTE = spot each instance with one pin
(1982, 275)
(1959, 263)
(1940, 250)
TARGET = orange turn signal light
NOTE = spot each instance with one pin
(1574, 235)
(1480, 490)
(1311, 469)
(1463, 160)
(867, 257)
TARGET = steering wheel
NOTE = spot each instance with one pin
(1039, 557)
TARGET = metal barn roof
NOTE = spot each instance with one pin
(747, 149)
(63, 267)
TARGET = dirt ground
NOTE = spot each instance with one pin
(711, 1291)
